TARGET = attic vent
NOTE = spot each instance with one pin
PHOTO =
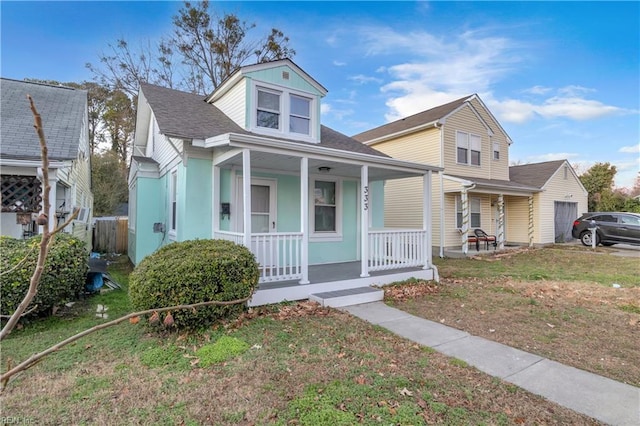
(285, 75)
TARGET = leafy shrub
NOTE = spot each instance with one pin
(192, 272)
(223, 349)
(63, 276)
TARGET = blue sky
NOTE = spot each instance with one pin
(563, 78)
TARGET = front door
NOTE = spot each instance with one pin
(263, 218)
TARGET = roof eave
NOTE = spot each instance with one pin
(252, 141)
(434, 123)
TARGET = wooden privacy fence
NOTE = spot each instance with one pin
(110, 234)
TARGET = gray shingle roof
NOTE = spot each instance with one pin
(410, 122)
(62, 110)
(536, 174)
(497, 183)
(185, 115)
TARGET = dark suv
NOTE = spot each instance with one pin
(611, 228)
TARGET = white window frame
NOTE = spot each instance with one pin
(279, 111)
(472, 200)
(173, 203)
(496, 151)
(285, 113)
(325, 235)
(469, 141)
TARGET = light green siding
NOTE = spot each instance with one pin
(150, 209)
(347, 249)
(195, 204)
(275, 76)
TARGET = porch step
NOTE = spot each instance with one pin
(348, 297)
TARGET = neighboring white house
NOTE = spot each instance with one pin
(64, 113)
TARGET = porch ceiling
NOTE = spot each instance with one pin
(279, 163)
(490, 186)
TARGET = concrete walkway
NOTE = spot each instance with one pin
(603, 399)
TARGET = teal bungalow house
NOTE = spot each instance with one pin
(251, 163)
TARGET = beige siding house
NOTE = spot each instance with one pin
(478, 189)
(65, 120)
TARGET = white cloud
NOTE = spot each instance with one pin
(441, 69)
(325, 108)
(363, 79)
(552, 156)
(446, 68)
(339, 63)
(632, 149)
(627, 171)
(571, 107)
(537, 90)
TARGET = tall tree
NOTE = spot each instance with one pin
(202, 51)
(119, 123)
(598, 181)
(124, 67)
(109, 181)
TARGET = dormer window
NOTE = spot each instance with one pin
(268, 114)
(300, 119)
(283, 112)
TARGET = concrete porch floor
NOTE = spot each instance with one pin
(331, 277)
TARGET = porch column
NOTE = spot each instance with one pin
(215, 184)
(530, 220)
(364, 221)
(304, 219)
(246, 196)
(500, 221)
(464, 199)
(426, 218)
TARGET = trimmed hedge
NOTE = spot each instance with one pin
(63, 276)
(192, 272)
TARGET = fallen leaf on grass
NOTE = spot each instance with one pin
(134, 320)
(406, 392)
(551, 325)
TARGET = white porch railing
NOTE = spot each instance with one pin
(279, 255)
(235, 237)
(395, 249)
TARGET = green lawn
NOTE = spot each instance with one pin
(284, 364)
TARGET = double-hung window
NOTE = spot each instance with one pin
(268, 113)
(474, 212)
(284, 112)
(300, 115)
(326, 210)
(325, 206)
(468, 148)
(496, 150)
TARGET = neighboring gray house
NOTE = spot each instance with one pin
(64, 115)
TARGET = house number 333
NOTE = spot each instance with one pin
(365, 197)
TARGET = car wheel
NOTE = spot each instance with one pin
(585, 238)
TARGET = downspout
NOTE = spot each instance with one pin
(439, 125)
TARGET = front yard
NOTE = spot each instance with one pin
(307, 365)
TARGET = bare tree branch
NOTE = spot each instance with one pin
(35, 358)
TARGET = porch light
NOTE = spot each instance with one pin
(324, 169)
